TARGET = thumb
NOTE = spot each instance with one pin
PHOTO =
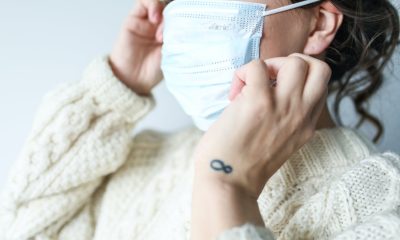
(253, 75)
(236, 88)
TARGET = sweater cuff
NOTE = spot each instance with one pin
(246, 231)
(110, 93)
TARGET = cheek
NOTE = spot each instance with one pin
(281, 36)
(271, 43)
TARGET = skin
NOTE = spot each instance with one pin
(297, 24)
(270, 123)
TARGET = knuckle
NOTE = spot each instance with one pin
(295, 55)
(297, 62)
(256, 63)
(325, 68)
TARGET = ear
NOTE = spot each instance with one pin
(327, 22)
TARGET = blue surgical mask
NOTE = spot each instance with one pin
(205, 41)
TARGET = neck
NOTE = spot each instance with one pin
(325, 120)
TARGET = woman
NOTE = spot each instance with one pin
(273, 165)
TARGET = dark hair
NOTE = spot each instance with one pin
(362, 47)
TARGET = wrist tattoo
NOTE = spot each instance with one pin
(219, 165)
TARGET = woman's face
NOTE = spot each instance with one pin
(284, 33)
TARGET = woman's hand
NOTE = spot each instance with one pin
(136, 56)
(263, 125)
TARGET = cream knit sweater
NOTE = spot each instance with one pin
(82, 175)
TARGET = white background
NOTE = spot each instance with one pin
(44, 43)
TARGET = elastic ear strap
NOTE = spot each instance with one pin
(289, 7)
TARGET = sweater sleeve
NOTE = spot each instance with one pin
(384, 226)
(376, 200)
(361, 203)
(247, 231)
(80, 134)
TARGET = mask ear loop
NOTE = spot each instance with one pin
(289, 7)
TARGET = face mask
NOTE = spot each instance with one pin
(205, 41)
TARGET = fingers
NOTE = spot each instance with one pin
(146, 19)
(155, 11)
(315, 92)
(141, 27)
(254, 76)
(149, 9)
(301, 79)
(317, 80)
(236, 88)
(159, 32)
(290, 73)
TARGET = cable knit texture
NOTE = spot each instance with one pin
(82, 175)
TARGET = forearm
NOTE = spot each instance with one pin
(81, 133)
(218, 206)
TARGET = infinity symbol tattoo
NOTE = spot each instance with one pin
(220, 166)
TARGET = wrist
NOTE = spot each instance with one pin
(228, 204)
(126, 79)
(227, 175)
(221, 185)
